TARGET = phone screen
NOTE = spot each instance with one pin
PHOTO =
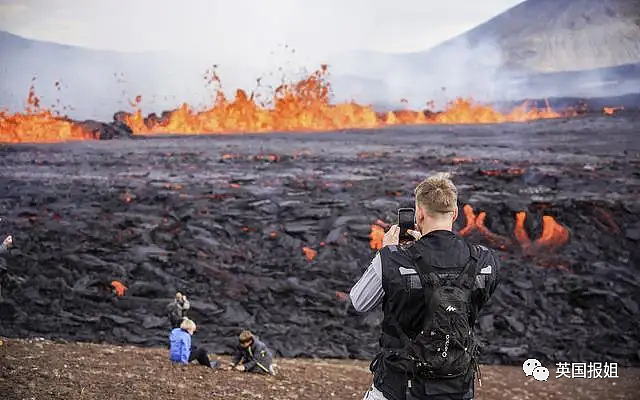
(406, 221)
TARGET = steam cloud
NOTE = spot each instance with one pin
(496, 62)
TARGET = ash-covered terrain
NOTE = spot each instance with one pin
(269, 232)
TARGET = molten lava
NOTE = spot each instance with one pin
(476, 223)
(553, 236)
(305, 106)
(503, 172)
(301, 106)
(376, 235)
(309, 253)
(611, 110)
(118, 288)
(520, 231)
(37, 124)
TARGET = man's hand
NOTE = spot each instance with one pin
(392, 236)
(416, 234)
(239, 368)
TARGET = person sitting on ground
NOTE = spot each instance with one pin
(182, 351)
(252, 355)
(176, 310)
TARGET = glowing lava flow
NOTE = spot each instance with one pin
(301, 106)
(305, 106)
(477, 223)
(376, 235)
(553, 235)
(611, 110)
(39, 125)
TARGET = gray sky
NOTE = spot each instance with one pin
(246, 29)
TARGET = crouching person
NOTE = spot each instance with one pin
(181, 351)
(252, 355)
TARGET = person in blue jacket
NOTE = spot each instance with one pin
(181, 351)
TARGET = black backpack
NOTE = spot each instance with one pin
(446, 347)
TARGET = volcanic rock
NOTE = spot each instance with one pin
(103, 131)
(165, 215)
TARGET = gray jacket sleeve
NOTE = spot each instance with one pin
(367, 293)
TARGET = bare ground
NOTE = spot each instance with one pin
(42, 369)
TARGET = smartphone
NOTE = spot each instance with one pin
(406, 221)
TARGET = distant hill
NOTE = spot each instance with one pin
(539, 47)
(542, 36)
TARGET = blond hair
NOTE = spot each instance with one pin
(437, 194)
(188, 325)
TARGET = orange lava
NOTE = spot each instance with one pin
(376, 235)
(305, 106)
(118, 288)
(553, 235)
(342, 296)
(503, 172)
(476, 223)
(39, 125)
(611, 110)
(519, 231)
(301, 106)
(309, 253)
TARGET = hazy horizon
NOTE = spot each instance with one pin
(245, 31)
(378, 51)
(281, 38)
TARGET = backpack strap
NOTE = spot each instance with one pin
(468, 275)
(421, 267)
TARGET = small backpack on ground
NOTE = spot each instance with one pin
(446, 346)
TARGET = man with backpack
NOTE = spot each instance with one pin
(431, 291)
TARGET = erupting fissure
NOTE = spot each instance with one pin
(301, 106)
(553, 236)
(39, 125)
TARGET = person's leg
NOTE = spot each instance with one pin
(258, 370)
(254, 369)
(200, 355)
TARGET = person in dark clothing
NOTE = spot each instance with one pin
(252, 355)
(176, 310)
(396, 278)
(181, 351)
(4, 246)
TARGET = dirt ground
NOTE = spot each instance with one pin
(41, 369)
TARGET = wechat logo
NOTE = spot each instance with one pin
(532, 367)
